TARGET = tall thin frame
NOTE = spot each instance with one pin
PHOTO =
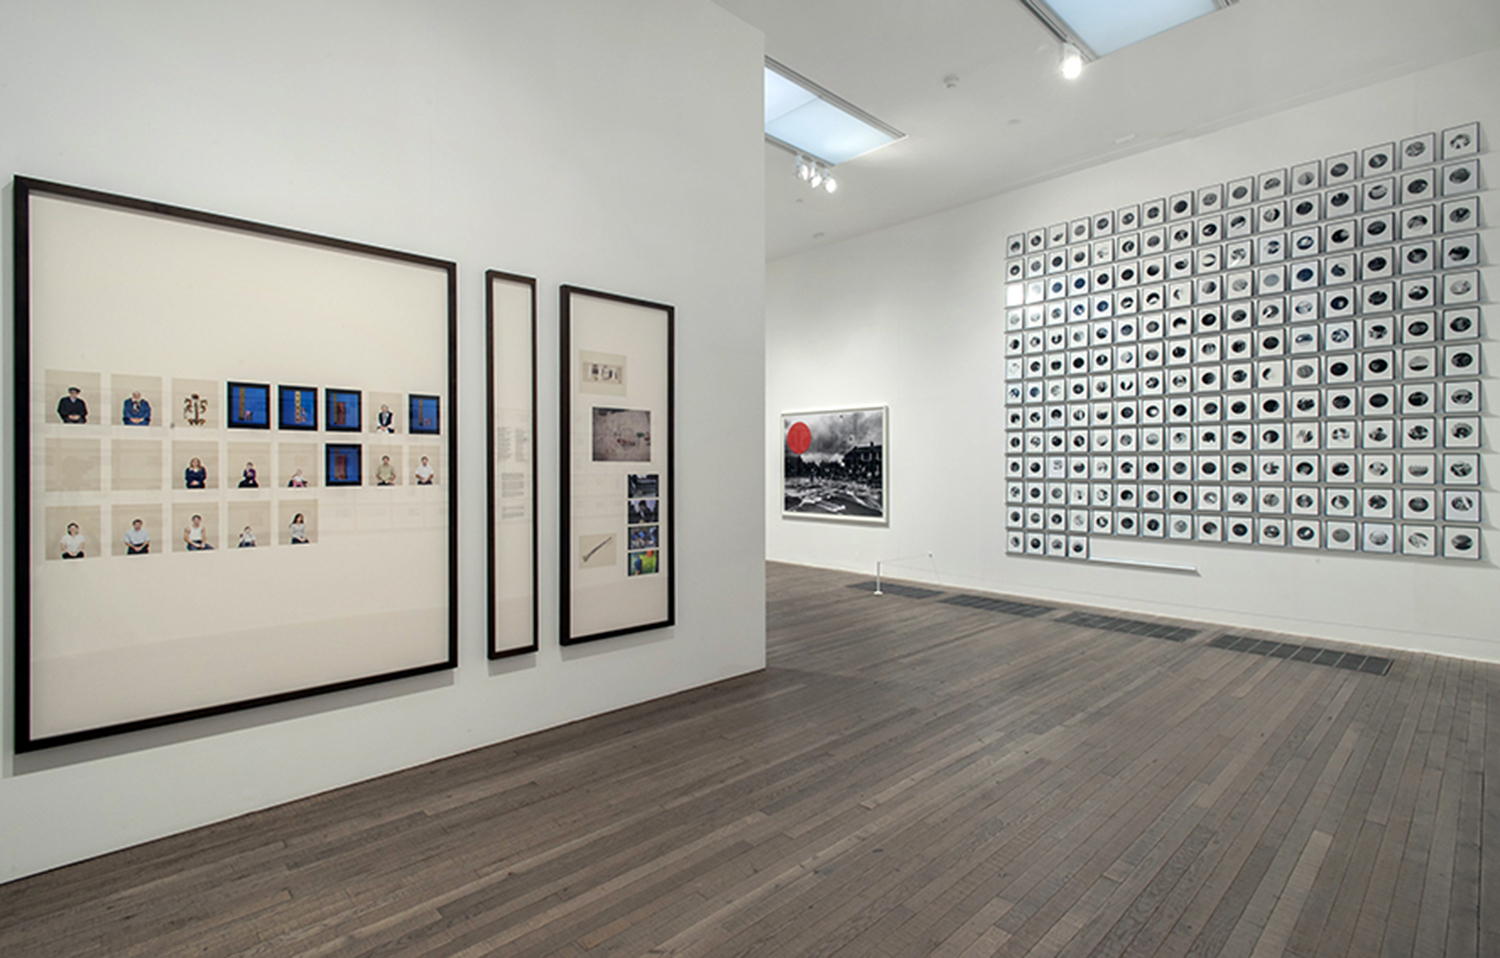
(510, 367)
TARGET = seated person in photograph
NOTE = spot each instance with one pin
(385, 420)
(425, 474)
(247, 539)
(299, 530)
(196, 536)
(385, 473)
(71, 408)
(137, 539)
(72, 542)
(137, 411)
(247, 477)
(298, 480)
(195, 476)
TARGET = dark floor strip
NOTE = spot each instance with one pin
(896, 588)
(1152, 630)
(1352, 661)
(1006, 606)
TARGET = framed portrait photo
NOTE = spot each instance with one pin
(618, 567)
(510, 327)
(176, 555)
(833, 465)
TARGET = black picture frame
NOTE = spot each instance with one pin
(510, 447)
(618, 367)
(74, 213)
(424, 415)
(287, 403)
(345, 410)
(343, 464)
(248, 405)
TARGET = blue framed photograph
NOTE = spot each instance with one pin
(423, 418)
(298, 407)
(343, 410)
(342, 465)
(249, 406)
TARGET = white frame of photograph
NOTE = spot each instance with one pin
(835, 509)
(119, 296)
(616, 466)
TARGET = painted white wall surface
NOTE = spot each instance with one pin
(555, 138)
(913, 317)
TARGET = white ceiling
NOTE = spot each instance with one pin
(1011, 119)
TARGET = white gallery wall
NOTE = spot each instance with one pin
(913, 317)
(539, 137)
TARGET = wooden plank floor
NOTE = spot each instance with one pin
(909, 777)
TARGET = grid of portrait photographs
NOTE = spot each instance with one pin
(1284, 360)
(220, 506)
(116, 486)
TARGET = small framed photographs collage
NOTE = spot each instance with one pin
(227, 502)
(618, 571)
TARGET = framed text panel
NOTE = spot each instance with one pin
(618, 566)
(510, 324)
(177, 556)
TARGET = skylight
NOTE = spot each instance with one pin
(1104, 26)
(802, 117)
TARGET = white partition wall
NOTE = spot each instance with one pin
(532, 136)
(914, 318)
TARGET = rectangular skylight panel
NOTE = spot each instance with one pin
(783, 96)
(822, 130)
(1108, 25)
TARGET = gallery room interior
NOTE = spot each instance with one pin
(1079, 471)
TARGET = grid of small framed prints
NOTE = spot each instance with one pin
(1285, 360)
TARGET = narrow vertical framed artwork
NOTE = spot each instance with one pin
(226, 562)
(510, 332)
(618, 571)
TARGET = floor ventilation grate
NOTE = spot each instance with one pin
(1006, 606)
(895, 588)
(1152, 630)
(1352, 661)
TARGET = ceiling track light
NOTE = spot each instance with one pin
(814, 174)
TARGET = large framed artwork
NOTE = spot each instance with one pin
(1285, 360)
(833, 464)
(187, 390)
(510, 326)
(618, 566)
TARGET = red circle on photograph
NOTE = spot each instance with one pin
(798, 438)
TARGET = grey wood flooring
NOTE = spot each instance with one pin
(909, 777)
